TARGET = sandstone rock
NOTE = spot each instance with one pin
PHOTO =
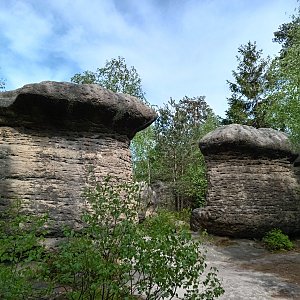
(248, 139)
(252, 186)
(148, 201)
(297, 167)
(157, 195)
(53, 134)
(72, 106)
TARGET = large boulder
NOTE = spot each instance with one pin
(252, 185)
(54, 135)
(157, 195)
(72, 106)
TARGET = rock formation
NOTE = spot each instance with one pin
(53, 133)
(252, 185)
(297, 167)
(157, 195)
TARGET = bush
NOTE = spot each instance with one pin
(113, 257)
(178, 220)
(276, 240)
(117, 258)
(21, 255)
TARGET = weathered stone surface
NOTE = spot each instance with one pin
(252, 186)
(297, 167)
(157, 195)
(264, 141)
(52, 134)
(148, 201)
(73, 106)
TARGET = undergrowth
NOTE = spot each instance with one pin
(276, 240)
(113, 257)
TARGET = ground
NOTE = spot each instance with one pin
(249, 271)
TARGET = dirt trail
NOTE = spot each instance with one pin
(250, 272)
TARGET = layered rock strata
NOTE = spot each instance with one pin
(53, 134)
(252, 183)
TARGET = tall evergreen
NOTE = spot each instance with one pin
(248, 88)
(284, 95)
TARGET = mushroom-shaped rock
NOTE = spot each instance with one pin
(52, 134)
(73, 106)
(252, 185)
(246, 138)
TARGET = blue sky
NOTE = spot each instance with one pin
(179, 47)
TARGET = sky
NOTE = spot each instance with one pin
(178, 47)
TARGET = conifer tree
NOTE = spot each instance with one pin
(248, 88)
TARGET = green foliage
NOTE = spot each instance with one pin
(116, 258)
(285, 34)
(178, 220)
(167, 150)
(284, 94)
(143, 154)
(113, 257)
(178, 160)
(179, 256)
(276, 240)
(97, 262)
(248, 88)
(20, 253)
(115, 76)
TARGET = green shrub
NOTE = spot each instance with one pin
(276, 240)
(113, 257)
(117, 258)
(176, 219)
(21, 255)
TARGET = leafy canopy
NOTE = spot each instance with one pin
(179, 161)
(284, 95)
(115, 76)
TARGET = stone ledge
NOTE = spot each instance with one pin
(235, 137)
(72, 106)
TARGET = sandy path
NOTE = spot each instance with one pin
(249, 272)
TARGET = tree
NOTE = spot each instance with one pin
(167, 150)
(284, 111)
(143, 154)
(119, 78)
(285, 34)
(178, 160)
(115, 76)
(248, 88)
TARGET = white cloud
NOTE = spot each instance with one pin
(178, 47)
(26, 32)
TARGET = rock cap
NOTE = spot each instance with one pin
(242, 137)
(73, 106)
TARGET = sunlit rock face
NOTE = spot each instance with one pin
(252, 183)
(53, 135)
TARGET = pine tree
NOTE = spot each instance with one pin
(248, 88)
